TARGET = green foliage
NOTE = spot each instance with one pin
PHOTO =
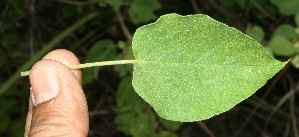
(165, 134)
(142, 11)
(297, 18)
(100, 51)
(170, 125)
(137, 125)
(126, 54)
(281, 46)
(287, 7)
(286, 31)
(285, 41)
(295, 61)
(127, 99)
(134, 119)
(185, 70)
(27, 28)
(256, 32)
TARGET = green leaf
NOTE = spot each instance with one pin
(191, 68)
(132, 118)
(127, 54)
(101, 51)
(295, 61)
(297, 19)
(296, 46)
(137, 125)
(123, 70)
(255, 32)
(281, 46)
(170, 125)
(166, 134)
(286, 31)
(123, 122)
(127, 99)
(287, 7)
(142, 11)
(142, 125)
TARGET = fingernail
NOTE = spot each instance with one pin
(44, 83)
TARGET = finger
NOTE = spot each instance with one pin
(59, 103)
(29, 117)
(67, 58)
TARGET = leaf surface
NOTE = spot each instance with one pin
(191, 68)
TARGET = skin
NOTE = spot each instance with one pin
(67, 113)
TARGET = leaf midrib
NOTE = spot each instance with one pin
(192, 63)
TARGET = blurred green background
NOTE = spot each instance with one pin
(99, 30)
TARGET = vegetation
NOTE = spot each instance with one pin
(100, 30)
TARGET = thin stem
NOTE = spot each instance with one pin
(206, 128)
(195, 7)
(104, 63)
(123, 26)
(94, 64)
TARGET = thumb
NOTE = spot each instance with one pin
(58, 106)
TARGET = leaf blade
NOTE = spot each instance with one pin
(183, 59)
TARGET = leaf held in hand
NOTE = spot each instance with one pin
(191, 68)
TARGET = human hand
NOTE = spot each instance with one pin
(57, 105)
